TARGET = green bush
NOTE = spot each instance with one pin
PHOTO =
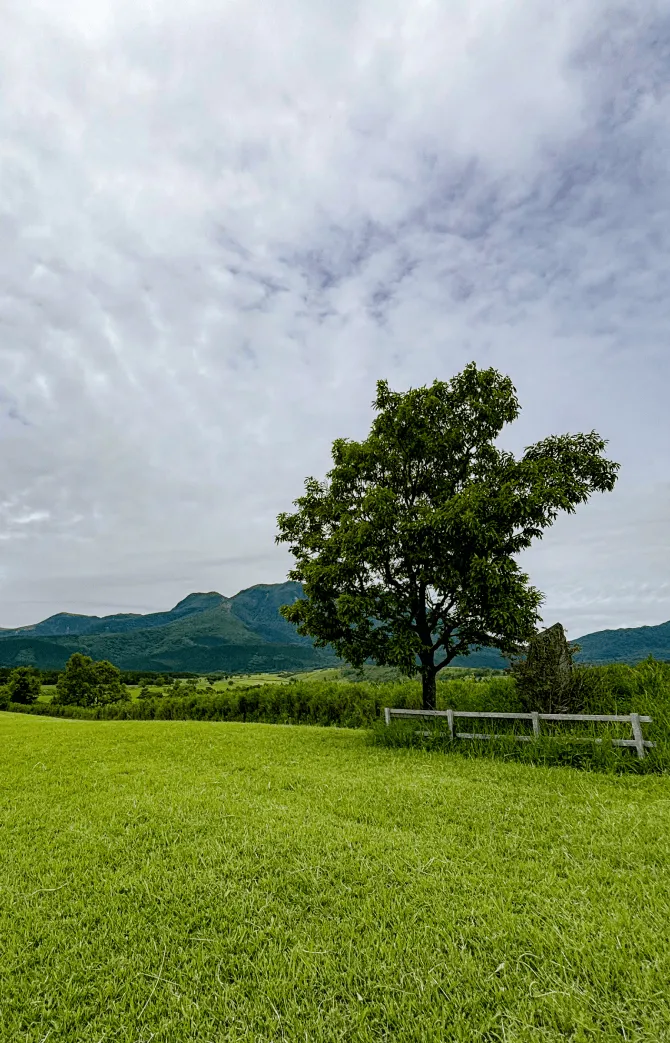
(149, 693)
(24, 685)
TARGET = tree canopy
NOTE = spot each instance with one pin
(24, 685)
(406, 551)
(86, 683)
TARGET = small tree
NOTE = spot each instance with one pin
(85, 683)
(75, 686)
(407, 552)
(150, 693)
(109, 687)
(24, 685)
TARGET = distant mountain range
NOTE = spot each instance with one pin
(202, 633)
(245, 633)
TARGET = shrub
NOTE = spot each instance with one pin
(24, 685)
(149, 693)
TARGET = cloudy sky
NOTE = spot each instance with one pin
(221, 222)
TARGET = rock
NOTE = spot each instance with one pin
(544, 678)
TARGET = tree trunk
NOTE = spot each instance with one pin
(429, 687)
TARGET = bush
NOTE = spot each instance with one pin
(24, 685)
(149, 693)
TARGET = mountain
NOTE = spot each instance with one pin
(209, 632)
(628, 645)
(67, 623)
(203, 632)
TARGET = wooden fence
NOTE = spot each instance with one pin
(634, 719)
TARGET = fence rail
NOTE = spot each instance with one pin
(635, 720)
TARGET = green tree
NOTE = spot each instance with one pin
(85, 683)
(109, 687)
(406, 552)
(150, 693)
(75, 686)
(24, 685)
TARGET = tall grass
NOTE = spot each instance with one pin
(610, 689)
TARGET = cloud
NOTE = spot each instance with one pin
(220, 224)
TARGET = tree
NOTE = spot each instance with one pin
(109, 687)
(24, 685)
(406, 551)
(85, 683)
(149, 693)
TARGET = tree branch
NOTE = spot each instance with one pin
(440, 610)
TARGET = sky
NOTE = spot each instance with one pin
(222, 222)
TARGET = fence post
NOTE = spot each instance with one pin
(387, 715)
(536, 724)
(637, 734)
(450, 721)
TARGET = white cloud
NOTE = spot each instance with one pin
(221, 223)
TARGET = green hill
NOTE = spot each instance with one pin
(202, 633)
(208, 632)
(628, 645)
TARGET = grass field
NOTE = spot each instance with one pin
(237, 681)
(188, 881)
(246, 681)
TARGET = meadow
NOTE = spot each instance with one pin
(173, 881)
(233, 682)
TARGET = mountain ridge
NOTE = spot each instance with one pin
(207, 631)
(203, 632)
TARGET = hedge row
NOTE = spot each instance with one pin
(346, 705)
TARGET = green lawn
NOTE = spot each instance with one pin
(179, 881)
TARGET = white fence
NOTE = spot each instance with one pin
(634, 719)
